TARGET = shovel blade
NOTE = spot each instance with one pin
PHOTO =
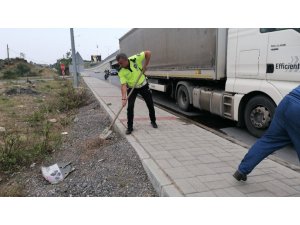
(105, 134)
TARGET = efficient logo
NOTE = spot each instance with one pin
(293, 66)
(283, 66)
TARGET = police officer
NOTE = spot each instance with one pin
(284, 130)
(130, 70)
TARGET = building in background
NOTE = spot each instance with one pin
(96, 58)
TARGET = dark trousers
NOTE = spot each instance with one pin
(147, 96)
(284, 130)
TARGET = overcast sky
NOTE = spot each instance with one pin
(47, 45)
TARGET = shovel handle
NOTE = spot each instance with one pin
(120, 110)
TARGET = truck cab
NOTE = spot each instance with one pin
(262, 67)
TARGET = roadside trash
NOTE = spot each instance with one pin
(76, 120)
(2, 129)
(100, 160)
(57, 172)
(32, 165)
(64, 133)
(52, 120)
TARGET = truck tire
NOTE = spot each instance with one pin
(258, 114)
(183, 99)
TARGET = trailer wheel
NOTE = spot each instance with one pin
(259, 112)
(183, 99)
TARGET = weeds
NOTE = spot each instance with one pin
(9, 74)
(36, 118)
(70, 98)
(16, 151)
(46, 133)
(40, 137)
(20, 70)
(66, 121)
(4, 101)
(10, 153)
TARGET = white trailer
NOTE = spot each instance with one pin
(238, 74)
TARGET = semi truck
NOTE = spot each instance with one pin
(238, 74)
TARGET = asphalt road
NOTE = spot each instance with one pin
(226, 126)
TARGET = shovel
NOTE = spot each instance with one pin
(108, 131)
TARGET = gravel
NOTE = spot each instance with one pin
(102, 168)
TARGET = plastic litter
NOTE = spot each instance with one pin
(57, 172)
(52, 120)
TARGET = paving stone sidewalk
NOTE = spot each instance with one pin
(182, 159)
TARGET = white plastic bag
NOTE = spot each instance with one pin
(57, 172)
(52, 174)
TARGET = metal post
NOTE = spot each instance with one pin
(7, 53)
(74, 63)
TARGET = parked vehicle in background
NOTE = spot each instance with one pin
(113, 72)
(238, 74)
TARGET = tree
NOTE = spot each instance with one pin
(66, 61)
(68, 54)
(22, 69)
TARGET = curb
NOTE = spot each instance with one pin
(161, 183)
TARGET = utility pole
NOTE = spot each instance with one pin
(75, 76)
(7, 52)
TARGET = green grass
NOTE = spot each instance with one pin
(7, 104)
(39, 138)
(36, 118)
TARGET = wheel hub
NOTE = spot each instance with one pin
(260, 117)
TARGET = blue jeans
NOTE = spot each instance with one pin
(284, 130)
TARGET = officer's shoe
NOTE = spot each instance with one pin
(129, 131)
(154, 125)
(239, 176)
